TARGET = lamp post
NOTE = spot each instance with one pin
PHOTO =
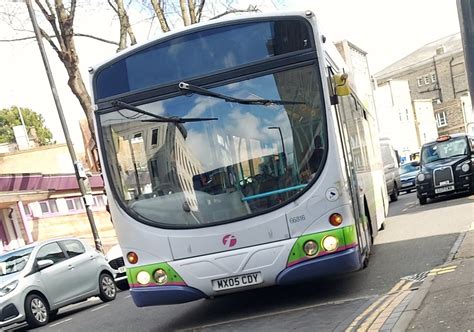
(79, 170)
(282, 144)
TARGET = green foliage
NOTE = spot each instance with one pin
(9, 117)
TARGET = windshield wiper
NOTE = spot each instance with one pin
(158, 118)
(205, 92)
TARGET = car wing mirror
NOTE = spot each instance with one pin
(44, 263)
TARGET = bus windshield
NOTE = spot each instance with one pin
(233, 161)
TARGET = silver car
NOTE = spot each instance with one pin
(38, 279)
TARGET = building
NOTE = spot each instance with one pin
(396, 117)
(436, 72)
(42, 200)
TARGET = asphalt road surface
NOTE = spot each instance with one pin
(416, 239)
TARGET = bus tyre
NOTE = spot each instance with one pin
(107, 290)
(36, 311)
(394, 194)
(422, 200)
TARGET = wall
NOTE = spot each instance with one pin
(49, 159)
(75, 225)
(425, 120)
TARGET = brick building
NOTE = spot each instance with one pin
(436, 72)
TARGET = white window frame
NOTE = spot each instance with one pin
(420, 81)
(433, 77)
(441, 119)
(427, 79)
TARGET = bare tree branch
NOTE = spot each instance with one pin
(113, 7)
(72, 12)
(53, 36)
(51, 42)
(233, 11)
(199, 11)
(52, 21)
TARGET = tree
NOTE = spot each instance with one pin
(10, 117)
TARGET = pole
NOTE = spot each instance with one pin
(466, 21)
(81, 178)
(24, 127)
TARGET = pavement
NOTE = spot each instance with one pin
(444, 300)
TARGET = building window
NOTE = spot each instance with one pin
(74, 204)
(420, 81)
(49, 206)
(154, 137)
(441, 119)
(427, 79)
(433, 77)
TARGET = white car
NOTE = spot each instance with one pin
(115, 259)
(38, 279)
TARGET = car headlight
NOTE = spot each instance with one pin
(8, 288)
(463, 167)
(421, 177)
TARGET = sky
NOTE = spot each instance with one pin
(387, 30)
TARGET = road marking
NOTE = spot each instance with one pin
(276, 313)
(63, 321)
(98, 308)
(444, 270)
(126, 297)
(376, 311)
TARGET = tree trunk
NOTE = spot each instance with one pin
(184, 12)
(192, 11)
(161, 16)
(125, 27)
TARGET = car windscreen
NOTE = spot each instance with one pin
(14, 261)
(445, 149)
(408, 168)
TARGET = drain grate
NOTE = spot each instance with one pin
(418, 277)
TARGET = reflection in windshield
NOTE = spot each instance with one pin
(442, 150)
(15, 261)
(254, 157)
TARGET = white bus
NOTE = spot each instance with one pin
(235, 157)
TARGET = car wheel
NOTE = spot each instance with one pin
(107, 290)
(394, 194)
(122, 285)
(36, 311)
(422, 200)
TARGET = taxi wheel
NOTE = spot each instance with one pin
(36, 310)
(422, 200)
(107, 290)
(122, 285)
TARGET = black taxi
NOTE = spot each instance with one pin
(446, 167)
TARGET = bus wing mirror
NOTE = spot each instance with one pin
(341, 85)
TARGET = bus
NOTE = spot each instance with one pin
(236, 156)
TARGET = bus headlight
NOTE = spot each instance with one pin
(160, 277)
(143, 278)
(421, 177)
(310, 248)
(330, 243)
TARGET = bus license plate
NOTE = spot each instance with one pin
(444, 189)
(237, 281)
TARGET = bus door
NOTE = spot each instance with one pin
(348, 135)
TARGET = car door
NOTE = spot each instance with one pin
(55, 279)
(83, 266)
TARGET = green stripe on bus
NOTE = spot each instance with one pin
(173, 276)
(345, 236)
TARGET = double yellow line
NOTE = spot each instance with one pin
(374, 317)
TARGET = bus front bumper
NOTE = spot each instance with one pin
(336, 263)
(157, 295)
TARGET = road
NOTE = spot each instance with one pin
(416, 239)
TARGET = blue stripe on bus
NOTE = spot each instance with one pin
(274, 192)
(336, 263)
